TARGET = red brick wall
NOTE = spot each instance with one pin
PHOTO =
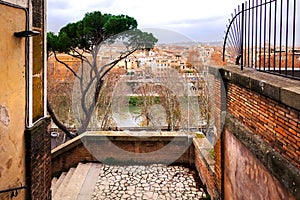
(207, 177)
(217, 105)
(276, 123)
(38, 161)
(218, 166)
(70, 158)
(213, 178)
(217, 147)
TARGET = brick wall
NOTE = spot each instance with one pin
(212, 176)
(205, 165)
(217, 147)
(38, 161)
(70, 157)
(276, 123)
(206, 176)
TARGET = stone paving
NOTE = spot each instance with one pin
(147, 182)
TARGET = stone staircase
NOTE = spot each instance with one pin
(76, 184)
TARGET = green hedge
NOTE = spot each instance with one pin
(138, 100)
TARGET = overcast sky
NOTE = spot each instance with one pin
(200, 20)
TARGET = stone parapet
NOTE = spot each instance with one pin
(123, 148)
(281, 89)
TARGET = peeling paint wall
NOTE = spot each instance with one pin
(12, 101)
(4, 117)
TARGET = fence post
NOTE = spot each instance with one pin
(242, 36)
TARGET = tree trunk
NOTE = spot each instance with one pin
(91, 109)
(58, 123)
(85, 123)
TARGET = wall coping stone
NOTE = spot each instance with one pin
(125, 135)
(66, 146)
(278, 88)
(203, 147)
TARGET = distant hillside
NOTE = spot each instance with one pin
(215, 44)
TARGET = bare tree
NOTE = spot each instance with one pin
(84, 40)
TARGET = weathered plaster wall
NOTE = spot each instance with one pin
(12, 100)
(245, 177)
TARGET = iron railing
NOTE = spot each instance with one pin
(13, 191)
(262, 35)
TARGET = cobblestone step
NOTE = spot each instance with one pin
(148, 183)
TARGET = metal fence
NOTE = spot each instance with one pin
(265, 35)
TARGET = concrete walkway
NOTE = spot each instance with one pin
(147, 182)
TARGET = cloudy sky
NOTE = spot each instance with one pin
(200, 20)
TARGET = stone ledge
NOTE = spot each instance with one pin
(203, 146)
(66, 146)
(121, 135)
(106, 146)
(281, 89)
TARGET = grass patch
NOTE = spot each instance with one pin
(200, 136)
(212, 153)
(139, 100)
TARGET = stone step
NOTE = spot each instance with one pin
(53, 183)
(73, 187)
(58, 182)
(60, 190)
(54, 180)
(89, 184)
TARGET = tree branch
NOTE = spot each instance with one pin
(112, 64)
(67, 66)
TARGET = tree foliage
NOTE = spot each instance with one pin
(83, 40)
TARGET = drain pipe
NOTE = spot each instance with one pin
(26, 33)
